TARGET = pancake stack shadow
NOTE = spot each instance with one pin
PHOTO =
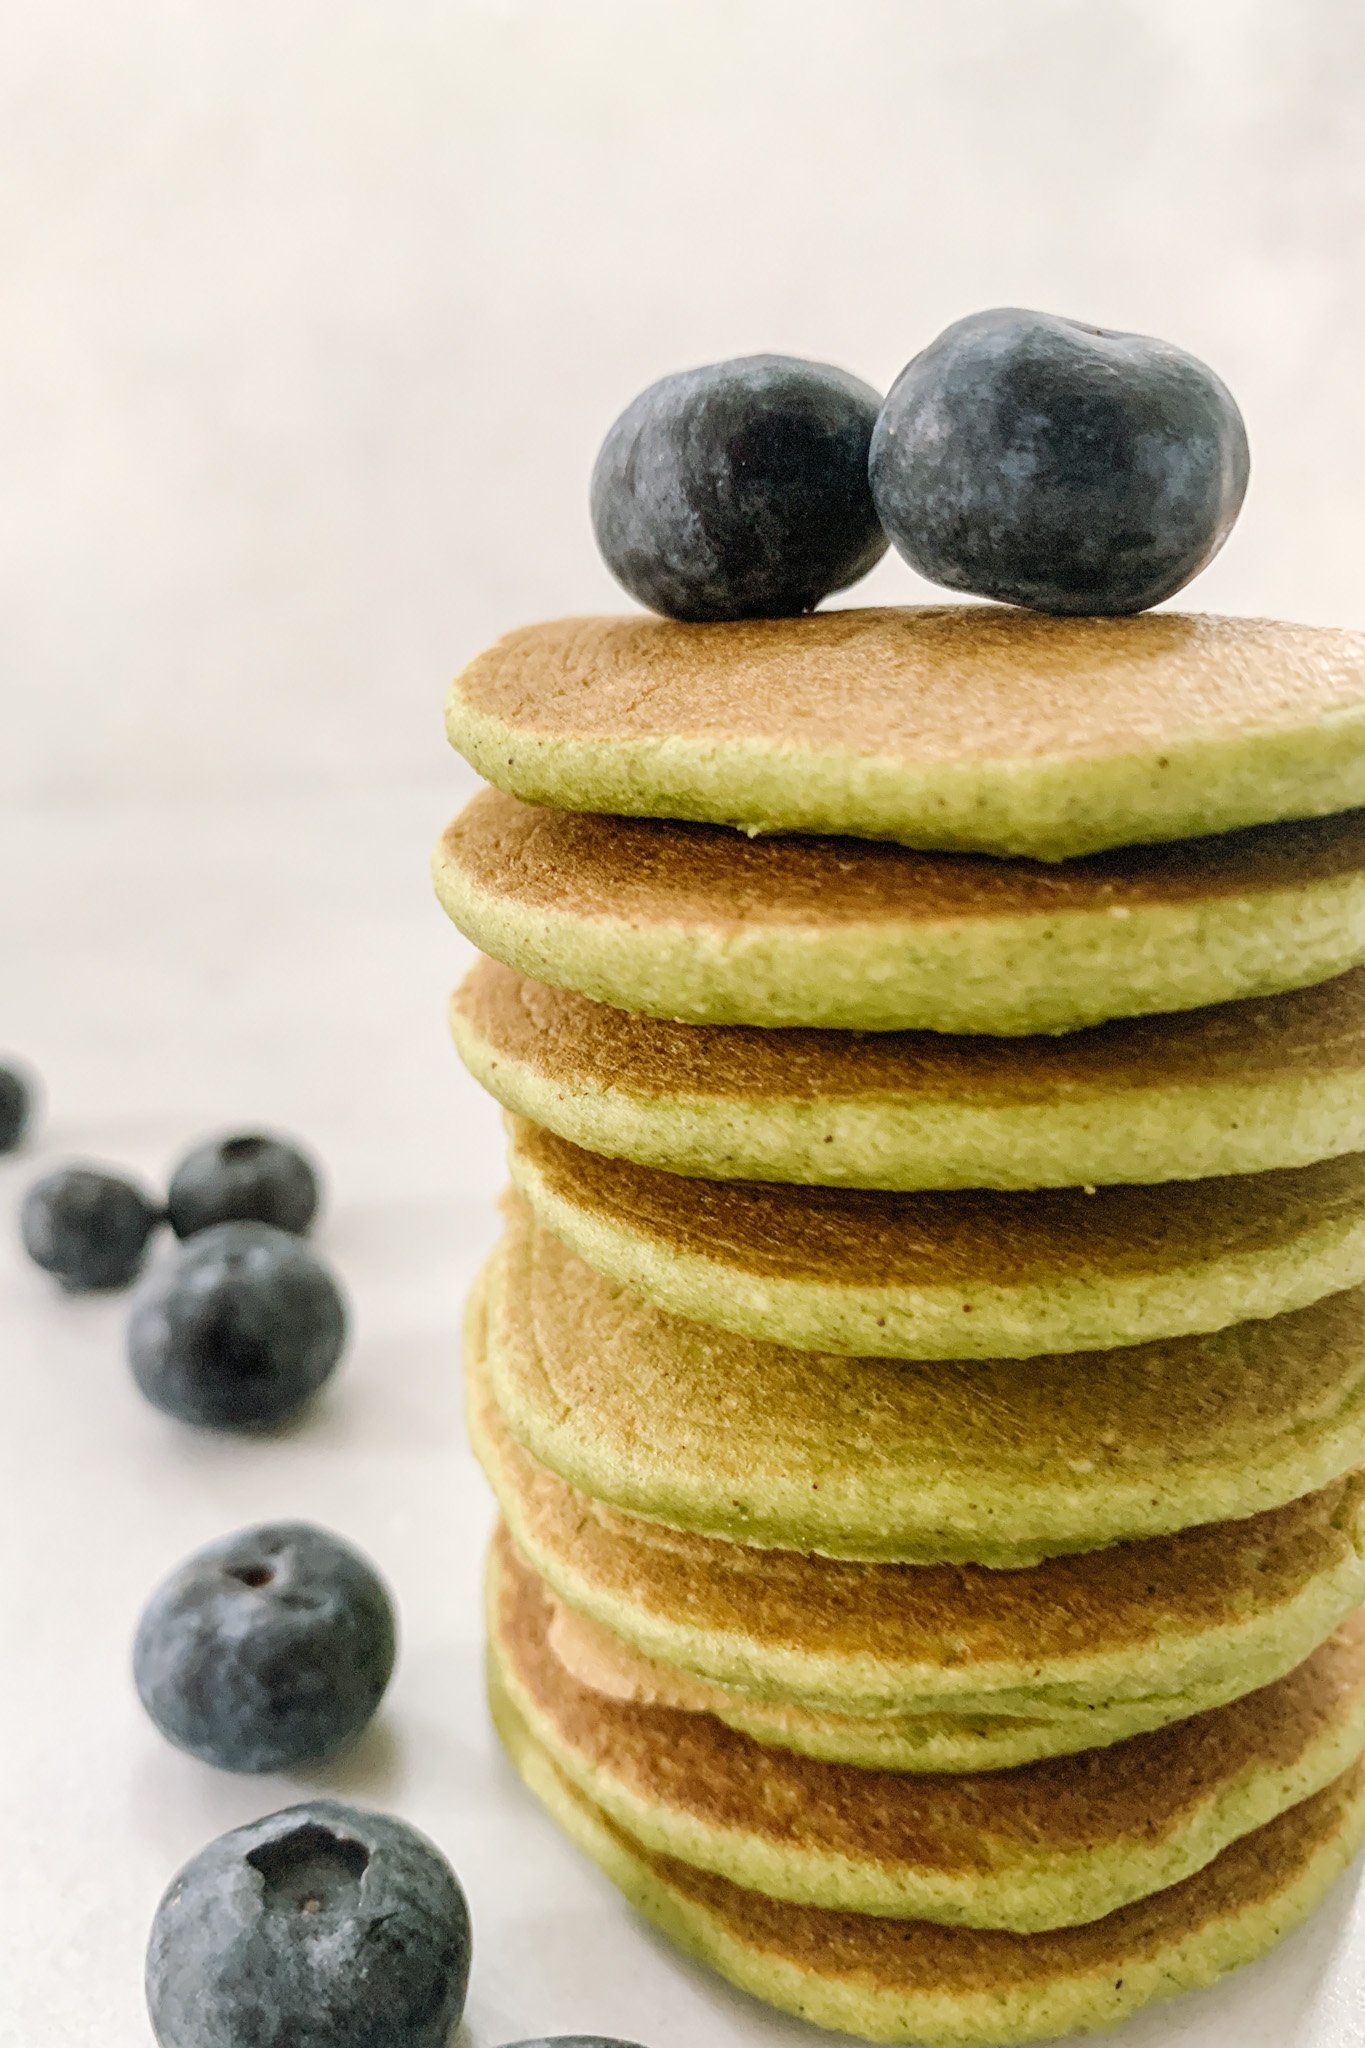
(922, 1376)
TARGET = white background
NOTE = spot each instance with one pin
(314, 311)
(313, 314)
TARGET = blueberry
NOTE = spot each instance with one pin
(240, 1329)
(318, 1927)
(88, 1227)
(573, 2041)
(740, 490)
(1055, 465)
(16, 1106)
(250, 1178)
(266, 1650)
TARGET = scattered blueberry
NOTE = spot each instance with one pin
(249, 1178)
(16, 1106)
(87, 1227)
(266, 1650)
(240, 1329)
(1055, 465)
(573, 2041)
(740, 490)
(318, 1927)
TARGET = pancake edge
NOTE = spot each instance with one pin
(1011, 1889)
(942, 1744)
(1076, 1313)
(1195, 1672)
(1024, 1525)
(1037, 808)
(1085, 2001)
(906, 1146)
(1006, 977)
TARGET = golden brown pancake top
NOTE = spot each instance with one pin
(963, 1617)
(922, 1956)
(566, 1036)
(933, 683)
(961, 1237)
(1140, 1788)
(606, 1663)
(587, 1359)
(656, 871)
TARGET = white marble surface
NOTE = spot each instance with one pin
(174, 967)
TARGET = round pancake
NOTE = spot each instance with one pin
(700, 924)
(866, 1741)
(966, 1274)
(870, 1742)
(1001, 1462)
(913, 1981)
(969, 726)
(1171, 1625)
(1051, 1845)
(1239, 1088)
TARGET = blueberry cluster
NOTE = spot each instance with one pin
(1021, 457)
(244, 1324)
(91, 1228)
(321, 1926)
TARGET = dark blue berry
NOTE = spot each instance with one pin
(249, 1178)
(239, 1330)
(1055, 465)
(16, 1106)
(318, 1927)
(87, 1227)
(573, 2041)
(268, 1649)
(740, 490)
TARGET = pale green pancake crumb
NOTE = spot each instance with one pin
(1056, 1845)
(699, 925)
(955, 1275)
(999, 1462)
(969, 1988)
(1242, 1088)
(1163, 1628)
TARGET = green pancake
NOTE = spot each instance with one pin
(1102, 1644)
(967, 726)
(1241, 1088)
(1054, 1844)
(698, 923)
(1001, 1462)
(916, 1982)
(937, 1742)
(966, 1274)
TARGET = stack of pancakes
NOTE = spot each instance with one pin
(923, 1374)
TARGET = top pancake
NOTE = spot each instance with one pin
(975, 727)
